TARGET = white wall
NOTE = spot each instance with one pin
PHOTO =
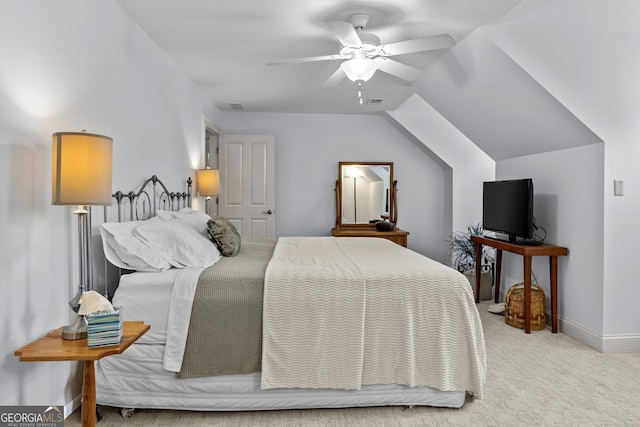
(568, 204)
(311, 145)
(583, 60)
(469, 165)
(70, 65)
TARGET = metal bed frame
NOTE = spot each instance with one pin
(138, 205)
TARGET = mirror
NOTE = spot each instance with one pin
(365, 192)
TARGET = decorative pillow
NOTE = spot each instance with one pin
(124, 250)
(178, 243)
(224, 235)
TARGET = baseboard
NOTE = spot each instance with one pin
(70, 407)
(607, 344)
(578, 333)
(621, 344)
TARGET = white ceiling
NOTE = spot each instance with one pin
(224, 46)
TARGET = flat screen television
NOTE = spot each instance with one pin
(507, 208)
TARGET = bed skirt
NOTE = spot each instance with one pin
(135, 379)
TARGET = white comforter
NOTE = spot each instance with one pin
(348, 312)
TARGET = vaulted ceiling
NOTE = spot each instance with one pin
(224, 46)
(525, 76)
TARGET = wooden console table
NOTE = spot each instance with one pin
(527, 252)
(397, 236)
(52, 348)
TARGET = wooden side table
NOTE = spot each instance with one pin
(52, 348)
(527, 252)
(397, 236)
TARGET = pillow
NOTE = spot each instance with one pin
(194, 218)
(165, 214)
(124, 250)
(178, 244)
(224, 235)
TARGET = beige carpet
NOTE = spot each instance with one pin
(541, 379)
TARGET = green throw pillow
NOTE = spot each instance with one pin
(224, 235)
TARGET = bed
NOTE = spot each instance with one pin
(287, 323)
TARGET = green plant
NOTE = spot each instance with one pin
(463, 250)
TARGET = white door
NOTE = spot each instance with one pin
(247, 180)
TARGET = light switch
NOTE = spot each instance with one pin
(618, 188)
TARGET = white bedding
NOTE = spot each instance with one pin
(163, 300)
(135, 379)
(144, 376)
(146, 296)
(347, 312)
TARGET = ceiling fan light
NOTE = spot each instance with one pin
(359, 69)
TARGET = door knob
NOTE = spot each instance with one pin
(269, 212)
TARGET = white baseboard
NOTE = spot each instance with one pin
(578, 333)
(621, 344)
(70, 407)
(607, 344)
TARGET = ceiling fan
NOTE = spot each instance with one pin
(363, 55)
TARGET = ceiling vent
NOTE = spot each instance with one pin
(375, 101)
(236, 106)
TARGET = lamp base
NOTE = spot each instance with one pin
(76, 331)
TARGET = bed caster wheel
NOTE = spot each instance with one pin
(127, 412)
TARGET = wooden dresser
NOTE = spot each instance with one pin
(397, 236)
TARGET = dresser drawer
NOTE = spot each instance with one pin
(396, 236)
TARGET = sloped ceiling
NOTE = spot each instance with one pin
(497, 104)
(224, 46)
(579, 54)
(526, 76)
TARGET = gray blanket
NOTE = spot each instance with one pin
(226, 319)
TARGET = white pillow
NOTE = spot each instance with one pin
(166, 214)
(178, 243)
(125, 250)
(194, 218)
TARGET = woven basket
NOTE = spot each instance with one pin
(514, 307)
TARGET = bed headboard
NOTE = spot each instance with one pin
(149, 198)
(135, 205)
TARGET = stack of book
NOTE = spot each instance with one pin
(104, 328)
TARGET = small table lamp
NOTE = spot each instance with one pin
(81, 176)
(208, 185)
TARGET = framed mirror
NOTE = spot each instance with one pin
(365, 193)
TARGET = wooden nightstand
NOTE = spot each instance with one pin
(52, 348)
(397, 236)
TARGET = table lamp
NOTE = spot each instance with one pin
(81, 176)
(208, 185)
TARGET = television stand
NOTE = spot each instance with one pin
(527, 252)
(516, 242)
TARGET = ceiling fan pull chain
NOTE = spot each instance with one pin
(360, 91)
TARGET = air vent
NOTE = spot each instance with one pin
(236, 106)
(375, 101)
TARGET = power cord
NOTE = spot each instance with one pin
(538, 238)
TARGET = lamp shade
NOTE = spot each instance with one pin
(208, 182)
(81, 173)
(359, 68)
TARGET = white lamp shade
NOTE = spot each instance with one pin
(208, 182)
(354, 172)
(81, 172)
(359, 69)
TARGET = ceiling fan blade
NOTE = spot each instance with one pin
(441, 41)
(398, 69)
(335, 79)
(307, 59)
(345, 33)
